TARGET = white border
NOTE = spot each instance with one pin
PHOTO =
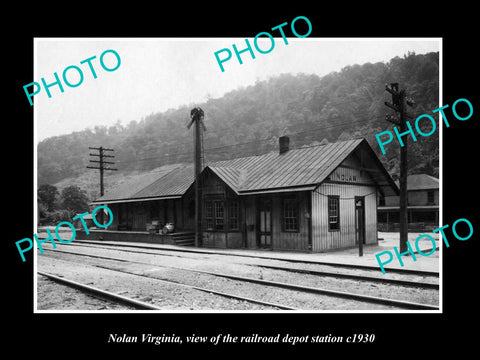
(288, 312)
(440, 172)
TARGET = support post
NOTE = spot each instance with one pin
(403, 191)
(399, 100)
(197, 169)
(101, 166)
(196, 115)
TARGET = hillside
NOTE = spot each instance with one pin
(308, 108)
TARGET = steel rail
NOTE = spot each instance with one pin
(355, 277)
(341, 294)
(141, 305)
(210, 291)
(313, 262)
(301, 288)
(304, 271)
(313, 272)
(99, 292)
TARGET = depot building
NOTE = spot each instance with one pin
(311, 199)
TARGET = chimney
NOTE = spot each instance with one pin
(284, 144)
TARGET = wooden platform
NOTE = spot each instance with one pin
(178, 238)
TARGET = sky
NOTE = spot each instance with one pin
(157, 74)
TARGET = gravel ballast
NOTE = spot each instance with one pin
(154, 267)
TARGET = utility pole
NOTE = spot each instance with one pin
(196, 116)
(399, 100)
(101, 163)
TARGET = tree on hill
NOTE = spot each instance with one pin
(74, 199)
(47, 195)
(243, 122)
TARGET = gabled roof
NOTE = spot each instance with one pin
(303, 169)
(170, 181)
(421, 182)
(297, 169)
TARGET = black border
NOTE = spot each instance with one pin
(85, 334)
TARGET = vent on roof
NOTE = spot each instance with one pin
(284, 144)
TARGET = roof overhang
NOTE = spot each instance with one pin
(117, 201)
(386, 186)
(279, 190)
(409, 207)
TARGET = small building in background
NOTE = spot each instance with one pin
(422, 206)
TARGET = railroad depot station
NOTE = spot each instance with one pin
(310, 199)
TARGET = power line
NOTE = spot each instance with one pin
(348, 123)
(175, 157)
(101, 163)
(145, 140)
(399, 105)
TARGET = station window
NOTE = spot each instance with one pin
(233, 212)
(209, 215)
(290, 215)
(219, 213)
(333, 213)
(430, 197)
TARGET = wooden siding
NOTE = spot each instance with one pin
(222, 239)
(286, 240)
(179, 223)
(214, 189)
(234, 240)
(346, 174)
(322, 238)
(214, 239)
(188, 211)
(138, 214)
(250, 221)
(115, 212)
(281, 240)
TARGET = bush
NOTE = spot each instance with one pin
(57, 216)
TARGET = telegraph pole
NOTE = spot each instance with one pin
(101, 163)
(399, 100)
(197, 116)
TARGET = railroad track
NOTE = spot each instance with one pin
(401, 304)
(356, 277)
(144, 246)
(375, 270)
(108, 295)
(118, 245)
(99, 293)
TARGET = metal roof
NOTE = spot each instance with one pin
(421, 182)
(173, 183)
(297, 169)
(170, 181)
